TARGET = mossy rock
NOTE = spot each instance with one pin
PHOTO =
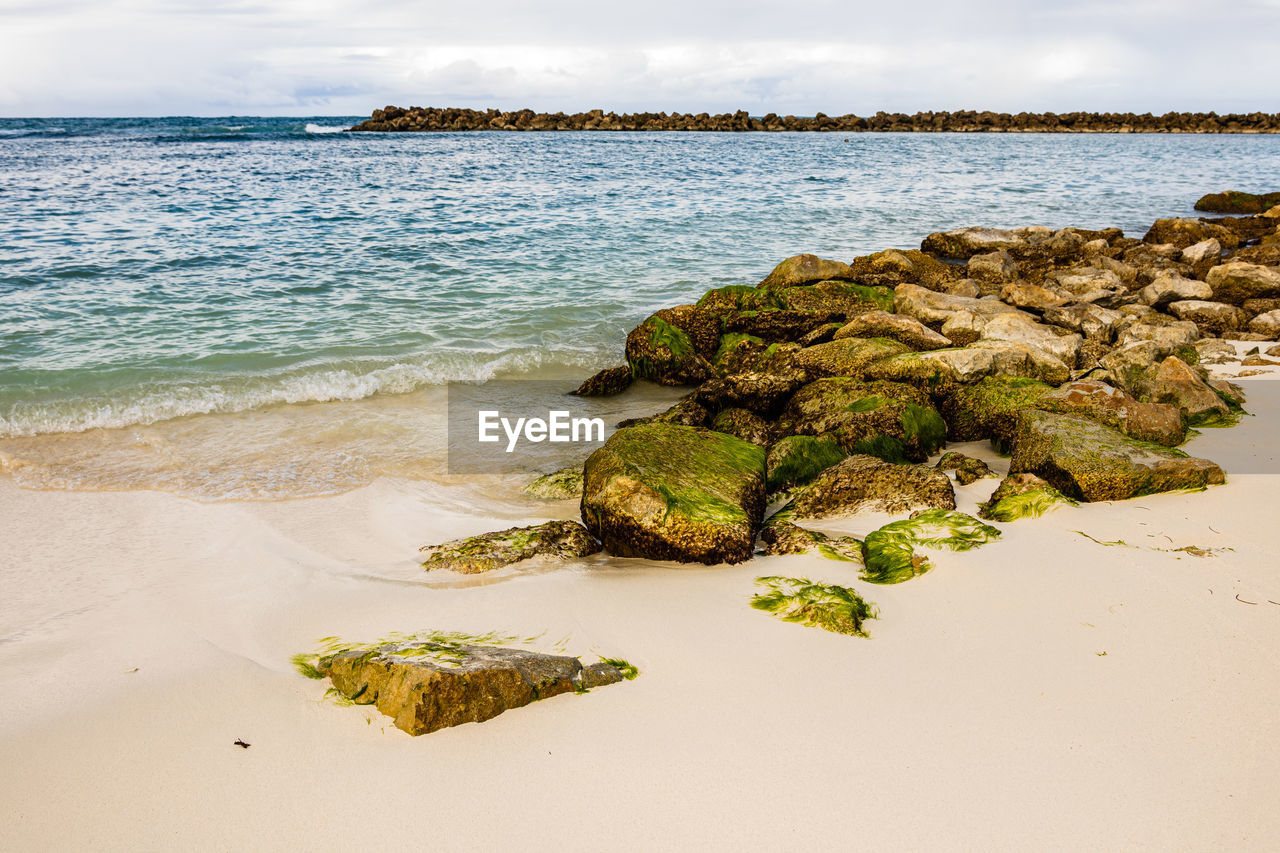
(606, 383)
(892, 267)
(968, 469)
(1111, 406)
(737, 352)
(561, 540)
(675, 493)
(1022, 496)
(850, 300)
(847, 357)
(804, 269)
(744, 424)
(862, 483)
(664, 353)
(784, 537)
(889, 553)
(1088, 461)
(832, 608)
(989, 408)
(687, 411)
(797, 459)
(885, 419)
(429, 685)
(738, 297)
(1234, 201)
(562, 485)
(778, 326)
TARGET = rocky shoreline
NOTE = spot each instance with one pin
(831, 389)
(454, 119)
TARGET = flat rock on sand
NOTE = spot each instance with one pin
(426, 686)
(1085, 460)
(862, 484)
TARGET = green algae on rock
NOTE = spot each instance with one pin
(1234, 201)
(561, 485)
(989, 408)
(664, 353)
(866, 417)
(847, 356)
(606, 383)
(562, 540)
(849, 299)
(1022, 496)
(837, 609)
(427, 685)
(738, 297)
(797, 459)
(1088, 461)
(889, 553)
(862, 483)
(781, 536)
(669, 492)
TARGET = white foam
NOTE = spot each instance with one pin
(318, 128)
(151, 404)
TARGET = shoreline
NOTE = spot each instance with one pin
(393, 119)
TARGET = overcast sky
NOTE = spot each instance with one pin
(341, 57)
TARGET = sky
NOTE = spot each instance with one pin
(342, 57)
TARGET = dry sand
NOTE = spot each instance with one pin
(1042, 692)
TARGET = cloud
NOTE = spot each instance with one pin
(146, 57)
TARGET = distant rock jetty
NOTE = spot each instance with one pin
(453, 119)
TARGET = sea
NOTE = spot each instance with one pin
(267, 308)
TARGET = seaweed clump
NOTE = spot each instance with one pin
(889, 553)
(832, 608)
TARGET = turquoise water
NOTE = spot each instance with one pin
(152, 268)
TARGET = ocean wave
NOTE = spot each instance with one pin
(319, 128)
(142, 406)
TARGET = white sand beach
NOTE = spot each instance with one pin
(1043, 692)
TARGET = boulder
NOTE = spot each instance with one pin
(940, 370)
(778, 326)
(861, 484)
(1236, 281)
(1022, 496)
(933, 309)
(1205, 250)
(744, 424)
(1088, 461)
(989, 408)
(846, 357)
(1167, 334)
(738, 297)
(1023, 329)
(1183, 233)
(675, 493)
(1176, 383)
(1254, 307)
(886, 419)
(1266, 324)
(1156, 422)
(1233, 201)
(1086, 284)
(762, 393)
(804, 269)
(993, 268)
(562, 540)
(1094, 322)
(796, 459)
(664, 353)
(427, 685)
(896, 266)
(964, 243)
(1216, 317)
(561, 485)
(606, 383)
(820, 335)
(905, 330)
(1168, 287)
(968, 469)
(783, 537)
(843, 297)
(1034, 297)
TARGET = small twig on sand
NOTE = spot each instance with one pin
(241, 744)
(1242, 601)
(1215, 530)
